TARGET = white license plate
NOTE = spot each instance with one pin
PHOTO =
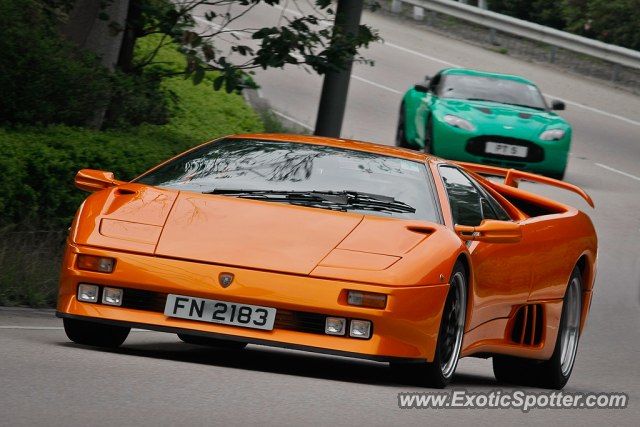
(506, 149)
(224, 312)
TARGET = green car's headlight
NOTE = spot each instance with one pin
(459, 122)
(552, 135)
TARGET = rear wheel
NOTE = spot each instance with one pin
(212, 342)
(401, 136)
(438, 374)
(95, 334)
(555, 372)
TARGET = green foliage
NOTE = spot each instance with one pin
(543, 12)
(303, 40)
(610, 21)
(43, 78)
(38, 164)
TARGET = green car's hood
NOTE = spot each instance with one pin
(491, 118)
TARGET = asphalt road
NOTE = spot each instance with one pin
(155, 379)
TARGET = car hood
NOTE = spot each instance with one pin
(263, 235)
(492, 118)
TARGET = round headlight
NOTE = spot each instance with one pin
(459, 122)
(552, 135)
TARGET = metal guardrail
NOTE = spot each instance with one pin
(619, 56)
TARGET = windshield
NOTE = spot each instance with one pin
(481, 88)
(248, 164)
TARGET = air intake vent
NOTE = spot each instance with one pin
(527, 329)
(524, 115)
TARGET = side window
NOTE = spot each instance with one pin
(464, 197)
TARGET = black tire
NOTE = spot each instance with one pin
(428, 137)
(555, 372)
(212, 342)
(401, 136)
(95, 334)
(438, 374)
(556, 175)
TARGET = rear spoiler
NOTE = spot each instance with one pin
(512, 178)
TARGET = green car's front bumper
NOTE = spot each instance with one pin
(546, 157)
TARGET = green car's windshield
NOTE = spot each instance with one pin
(304, 174)
(492, 89)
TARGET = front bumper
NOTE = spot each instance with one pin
(407, 328)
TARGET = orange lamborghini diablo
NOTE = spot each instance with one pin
(337, 247)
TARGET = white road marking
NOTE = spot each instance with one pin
(422, 55)
(58, 328)
(375, 84)
(617, 171)
(293, 120)
(34, 328)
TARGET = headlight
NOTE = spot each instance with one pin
(552, 135)
(458, 122)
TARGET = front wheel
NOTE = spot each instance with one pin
(438, 374)
(95, 334)
(555, 372)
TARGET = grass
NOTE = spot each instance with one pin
(29, 266)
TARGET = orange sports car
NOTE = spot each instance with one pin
(338, 247)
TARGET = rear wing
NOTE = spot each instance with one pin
(512, 178)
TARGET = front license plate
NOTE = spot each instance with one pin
(506, 149)
(226, 313)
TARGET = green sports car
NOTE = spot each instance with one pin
(489, 118)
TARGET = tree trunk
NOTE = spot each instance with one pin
(81, 20)
(132, 31)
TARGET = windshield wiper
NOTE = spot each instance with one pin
(506, 103)
(333, 200)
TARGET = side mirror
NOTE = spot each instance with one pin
(92, 180)
(491, 231)
(419, 87)
(557, 105)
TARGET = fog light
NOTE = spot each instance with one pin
(96, 263)
(335, 326)
(88, 293)
(367, 299)
(360, 329)
(112, 296)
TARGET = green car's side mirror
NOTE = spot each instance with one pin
(421, 88)
(557, 105)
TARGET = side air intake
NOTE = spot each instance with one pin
(527, 328)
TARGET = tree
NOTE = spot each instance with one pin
(611, 21)
(300, 41)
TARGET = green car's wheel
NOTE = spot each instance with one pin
(438, 374)
(555, 372)
(212, 342)
(428, 137)
(556, 175)
(95, 334)
(401, 136)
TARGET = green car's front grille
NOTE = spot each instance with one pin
(476, 146)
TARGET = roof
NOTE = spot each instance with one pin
(486, 74)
